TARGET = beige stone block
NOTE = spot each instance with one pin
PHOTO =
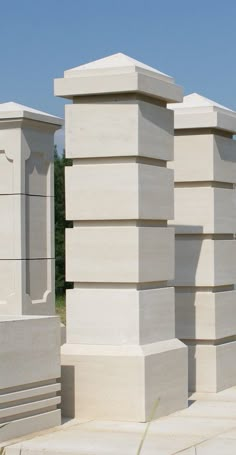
(119, 128)
(205, 315)
(206, 157)
(25, 343)
(119, 316)
(205, 210)
(25, 388)
(120, 383)
(26, 227)
(119, 191)
(114, 254)
(26, 158)
(27, 286)
(211, 367)
(204, 262)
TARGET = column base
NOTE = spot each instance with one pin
(124, 382)
(212, 367)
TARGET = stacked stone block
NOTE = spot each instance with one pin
(29, 334)
(205, 222)
(27, 210)
(121, 356)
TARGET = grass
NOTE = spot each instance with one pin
(61, 307)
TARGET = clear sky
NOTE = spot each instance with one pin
(193, 41)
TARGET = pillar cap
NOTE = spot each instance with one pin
(196, 111)
(117, 73)
(11, 110)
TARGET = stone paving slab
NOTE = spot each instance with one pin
(207, 427)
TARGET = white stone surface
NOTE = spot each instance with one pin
(120, 353)
(119, 382)
(204, 157)
(205, 428)
(212, 368)
(119, 191)
(26, 206)
(127, 127)
(30, 367)
(127, 254)
(117, 73)
(205, 315)
(119, 316)
(205, 210)
(204, 262)
(197, 111)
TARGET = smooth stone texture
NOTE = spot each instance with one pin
(118, 191)
(27, 287)
(196, 111)
(212, 368)
(204, 425)
(205, 315)
(117, 73)
(204, 157)
(30, 359)
(120, 316)
(204, 262)
(119, 128)
(205, 210)
(119, 382)
(127, 254)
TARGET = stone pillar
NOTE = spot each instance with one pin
(121, 356)
(29, 334)
(205, 221)
(27, 210)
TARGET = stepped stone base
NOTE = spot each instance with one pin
(123, 382)
(30, 368)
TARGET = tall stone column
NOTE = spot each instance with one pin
(27, 210)
(29, 333)
(121, 356)
(205, 221)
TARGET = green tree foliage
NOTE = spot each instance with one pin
(60, 224)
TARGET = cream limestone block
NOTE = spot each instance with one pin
(205, 315)
(117, 73)
(120, 382)
(199, 112)
(204, 157)
(126, 254)
(205, 210)
(119, 316)
(118, 191)
(119, 128)
(27, 287)
(212, 368)
(25, 388)
(204, 262)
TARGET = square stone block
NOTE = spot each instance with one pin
(26, 160)
(123, 382)
(204, 157)
(204, 262)
(119, 316)
(114, 254)
(26, 227)
(27, 286)
(205, 210)
(30, 368)
(205, 315)
(119, 191)
(127, 127)
(212, 368)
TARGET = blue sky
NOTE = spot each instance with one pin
(193, 41)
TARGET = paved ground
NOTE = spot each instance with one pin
(207, 427)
